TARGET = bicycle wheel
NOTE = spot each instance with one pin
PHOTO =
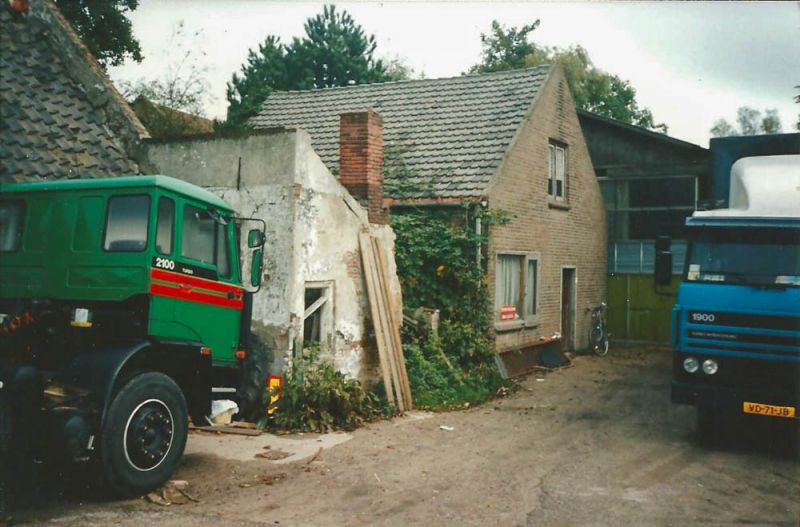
(599, 341)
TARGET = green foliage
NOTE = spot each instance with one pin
(264, 71)
(335, 51)
(316, 397)
(505, 48)
(104, 28)
(436, 255)
(592, 88)
(797, 100)
(436, 385)
(749, 121)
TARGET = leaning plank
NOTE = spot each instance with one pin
(397, 343)
(386, 328)
(393, 344)
(366, 250)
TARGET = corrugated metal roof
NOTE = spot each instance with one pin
(443, 137)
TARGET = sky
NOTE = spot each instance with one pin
(690, 63)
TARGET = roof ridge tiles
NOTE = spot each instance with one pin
(507, 73)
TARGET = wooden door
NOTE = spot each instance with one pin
(567, 308)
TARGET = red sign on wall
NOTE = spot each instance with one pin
(508, 313)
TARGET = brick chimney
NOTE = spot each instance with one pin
(361, 161)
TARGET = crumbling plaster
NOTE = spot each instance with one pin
(312, 236)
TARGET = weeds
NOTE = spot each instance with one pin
(315, 397)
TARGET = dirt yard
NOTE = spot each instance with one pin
(595, 444)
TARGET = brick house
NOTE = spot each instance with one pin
(508, 141)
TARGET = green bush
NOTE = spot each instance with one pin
(315, 397)
(437, 385)
(436, 254)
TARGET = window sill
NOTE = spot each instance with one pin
(515, 325)
(560, 205)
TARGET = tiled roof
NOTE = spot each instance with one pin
(163, 122)
(52, 125)
(450, 134)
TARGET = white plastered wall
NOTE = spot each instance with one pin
(312, 237)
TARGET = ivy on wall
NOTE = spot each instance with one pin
(437, 255)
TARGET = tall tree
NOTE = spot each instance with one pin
(797, 100)
(749, 121)
(265, 70)
(335, 51)
(505, 48)
(104, 28)
(592, 88)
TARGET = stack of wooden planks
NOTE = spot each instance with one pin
(384, 320)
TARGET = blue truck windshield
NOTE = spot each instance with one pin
(753, 256)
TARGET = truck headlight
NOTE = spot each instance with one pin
(690, 364)
(710, 367)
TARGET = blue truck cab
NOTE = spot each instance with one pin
(736, 322)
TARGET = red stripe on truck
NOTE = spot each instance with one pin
(185, 292)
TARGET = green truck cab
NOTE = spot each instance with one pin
(121, 305)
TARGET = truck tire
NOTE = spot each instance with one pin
(144, 434)
(255, 373)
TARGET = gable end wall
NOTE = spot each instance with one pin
(574, 238)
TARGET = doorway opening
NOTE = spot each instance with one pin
(568, 286)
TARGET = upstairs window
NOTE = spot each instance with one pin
(10, 225)
(126, 224)
(557, 171)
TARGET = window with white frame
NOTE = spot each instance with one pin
(557, 171)
(516, 287)
(318, 315)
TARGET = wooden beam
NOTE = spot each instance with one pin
(368, 268)
(316, 305)
(397, 343)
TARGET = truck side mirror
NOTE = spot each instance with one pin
(663, 242)
(663, 263)
(255, 238)
(256, 266)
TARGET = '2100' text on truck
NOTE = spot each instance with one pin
(122, 303)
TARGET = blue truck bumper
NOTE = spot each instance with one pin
(730, 400)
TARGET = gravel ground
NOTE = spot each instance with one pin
(595, 444)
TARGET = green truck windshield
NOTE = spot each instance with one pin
(753, 256)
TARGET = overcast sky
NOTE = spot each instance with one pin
(691, 63)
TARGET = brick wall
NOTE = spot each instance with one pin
(572, 235)
(361, 161)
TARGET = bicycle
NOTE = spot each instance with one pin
(598, 333)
